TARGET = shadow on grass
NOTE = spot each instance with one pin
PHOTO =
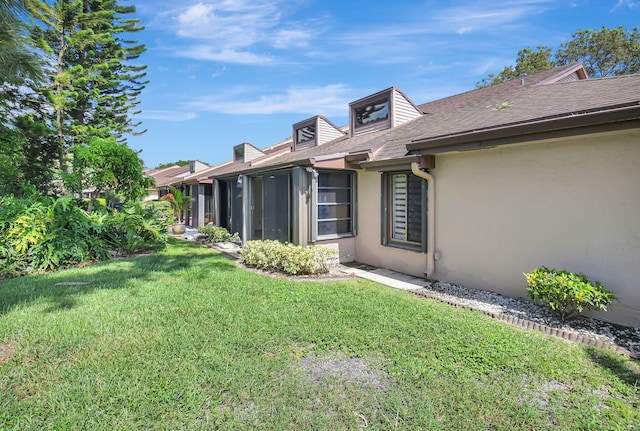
(627, 370)
(62, 288)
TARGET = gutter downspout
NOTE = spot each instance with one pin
(431, 222)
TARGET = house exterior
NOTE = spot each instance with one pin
(169, 176)
(473, 189)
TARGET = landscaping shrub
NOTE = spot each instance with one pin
(566, 293)
(287, 258)
(136, 228)
(44, 234)
(217, 234)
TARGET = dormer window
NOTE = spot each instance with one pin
(245, 152)
(238, 154)
(306, 134)
(314, 131)
(372, 113)
(381, 111)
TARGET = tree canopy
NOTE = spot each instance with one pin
(88, 88)
(605, 52)
(17, 62)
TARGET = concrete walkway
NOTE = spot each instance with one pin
(387, 277)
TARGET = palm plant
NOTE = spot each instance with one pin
(16, 60)
(179, 203)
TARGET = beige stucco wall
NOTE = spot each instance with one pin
(344, 246)
(571, 204)
(368, 241)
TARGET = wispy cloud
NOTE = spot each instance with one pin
(208, 53)
(493, 17)
(626, 4)
(408, 42)
(331, 99)
(175, 116)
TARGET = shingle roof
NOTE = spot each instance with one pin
(531, 104)
(542, 96)
(167, 176)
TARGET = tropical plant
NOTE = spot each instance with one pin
(134, 229)
(43, 234)
(180, 202)
(17, 62)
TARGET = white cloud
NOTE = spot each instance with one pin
(208, 53)
(234, 23)
(176, 116)
(331, 99)
(296, 38)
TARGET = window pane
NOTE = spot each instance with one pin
(405, 194)
(337, 227)
(334, 203)
(372, 113)
(306, 133)
(334, 179)
(334, 196)
(334, 211)
(236, 207)
(414, 209)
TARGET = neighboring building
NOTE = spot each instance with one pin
(167, 177)
(473, 189)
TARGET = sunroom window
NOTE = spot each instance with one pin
(405, 210)
(335, 198)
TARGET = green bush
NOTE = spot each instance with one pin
(287, 258)
(44, 234)
(566, 293)
(136, 228)
(160, 211)
(217, 234)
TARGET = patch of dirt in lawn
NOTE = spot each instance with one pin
(319, 369)
(7, 351)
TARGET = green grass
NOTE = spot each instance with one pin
(185, 339)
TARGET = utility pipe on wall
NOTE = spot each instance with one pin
(431, 223)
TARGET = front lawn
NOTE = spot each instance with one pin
(185, 339)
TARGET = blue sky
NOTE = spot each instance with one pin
(223, 72)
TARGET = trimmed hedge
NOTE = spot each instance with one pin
(287, 258)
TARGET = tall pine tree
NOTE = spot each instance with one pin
(93, 85)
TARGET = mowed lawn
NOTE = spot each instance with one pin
(186, 340)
